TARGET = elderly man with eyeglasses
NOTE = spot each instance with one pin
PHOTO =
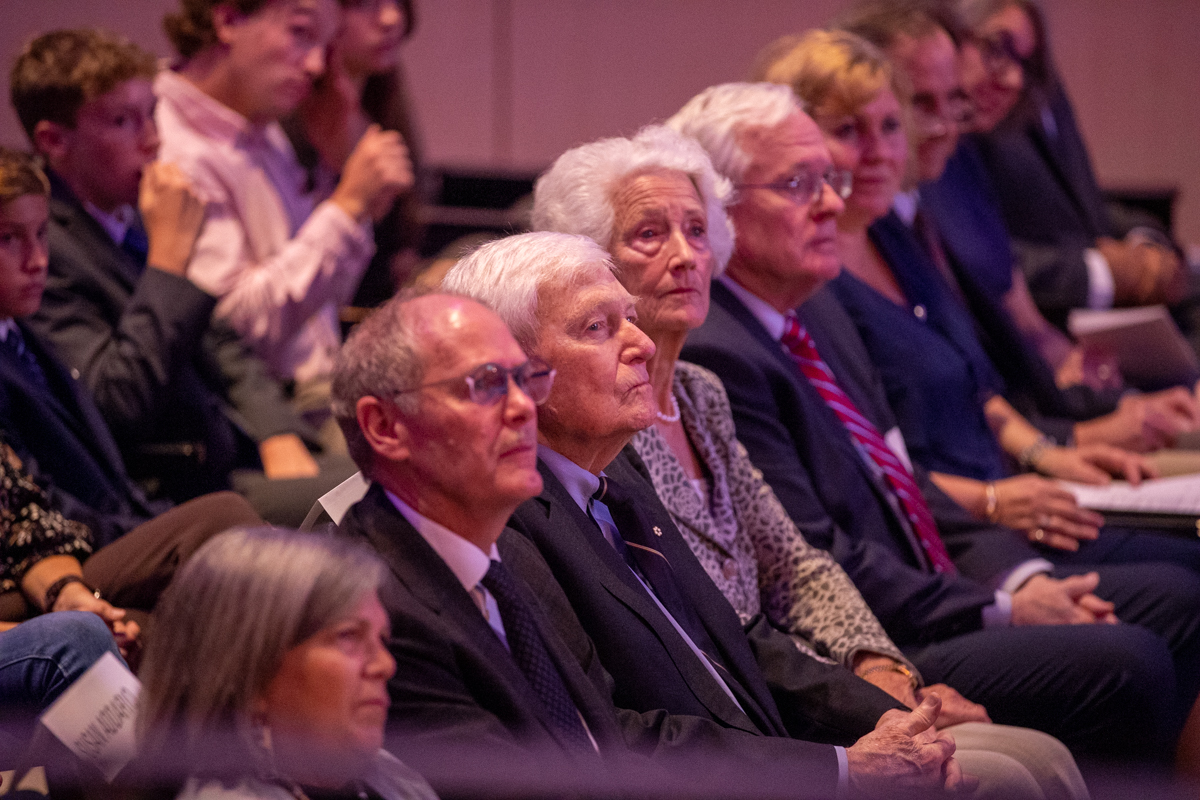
(498, 688)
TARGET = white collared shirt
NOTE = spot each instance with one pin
(115, 224)
(468, 563)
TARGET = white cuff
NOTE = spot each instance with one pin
(843, 784)
(1100, 280)
(1017, 576)
(999, 613)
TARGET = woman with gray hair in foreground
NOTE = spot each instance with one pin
(273, 683)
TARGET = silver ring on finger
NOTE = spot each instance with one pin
(1039, 535)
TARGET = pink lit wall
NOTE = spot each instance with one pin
(512, 83)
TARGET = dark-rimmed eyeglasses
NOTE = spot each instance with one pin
(488, 383)
(999, 53)
(807, 187)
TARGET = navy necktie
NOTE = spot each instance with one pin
(529, 651)
(136, 245)
(641, 551)
(25, 359)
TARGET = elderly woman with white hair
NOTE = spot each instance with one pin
(273, 683)
(659, 207)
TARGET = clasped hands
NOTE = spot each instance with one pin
(906, 754)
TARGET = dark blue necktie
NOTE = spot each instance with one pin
(136, 245)
(529, 651)
(641, 553)
(25, 359)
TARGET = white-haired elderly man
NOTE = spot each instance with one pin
(658, 203)
(438, 404)
(661, 628)
(971, 604)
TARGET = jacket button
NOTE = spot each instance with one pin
(729, 569)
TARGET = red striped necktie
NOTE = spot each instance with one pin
(803, 351)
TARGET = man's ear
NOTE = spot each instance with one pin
(52, 140)
(224, 19)
(383, 428)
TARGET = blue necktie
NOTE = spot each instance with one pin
(25, 359)
(136, 245)
(529, 651)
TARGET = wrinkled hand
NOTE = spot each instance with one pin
(1144, 423)
(955, 707)
(172, 213)
(1095, 463)
(1144, 273)
(905, 753)
(1031, 503)
(1050, 601)
(284, 456)
(76, 597)
(376, 172)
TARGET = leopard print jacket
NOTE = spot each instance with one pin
(744, 537)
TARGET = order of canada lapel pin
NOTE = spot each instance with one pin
(657, 531)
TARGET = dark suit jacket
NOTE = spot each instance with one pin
(1051, 202)
(62, 440)
(781, 691)
(185, 399)
(838, 503)
(456, 684)
(975, 244)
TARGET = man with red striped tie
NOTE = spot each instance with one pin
(970, 603)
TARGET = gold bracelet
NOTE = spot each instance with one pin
(993, 502)
(893, 667)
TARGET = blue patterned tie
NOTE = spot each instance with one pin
(529, 650)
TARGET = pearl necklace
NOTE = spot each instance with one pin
(674, 415)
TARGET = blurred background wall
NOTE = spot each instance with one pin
(510, 84)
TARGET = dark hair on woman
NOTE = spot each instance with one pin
(191, 28)
(407, 7)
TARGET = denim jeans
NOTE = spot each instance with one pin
(40, 658)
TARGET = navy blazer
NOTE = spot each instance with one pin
(781, 691)
(184, 398)
(457, 686)
(1050, 199)
(964, 210)
(63, 441)
(838, 503)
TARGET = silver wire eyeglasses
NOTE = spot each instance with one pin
(807, 187)
(488, 383)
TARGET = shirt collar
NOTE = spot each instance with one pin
(7, 325)
(468, 563)
(764, 312)
(116, 224)
(905, 205)
(579, 483)
(208, 116)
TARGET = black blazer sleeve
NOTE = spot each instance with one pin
(126, 362)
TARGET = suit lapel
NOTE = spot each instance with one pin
(431, 582)
(107, 256)
(564, 516)
(838, 439)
